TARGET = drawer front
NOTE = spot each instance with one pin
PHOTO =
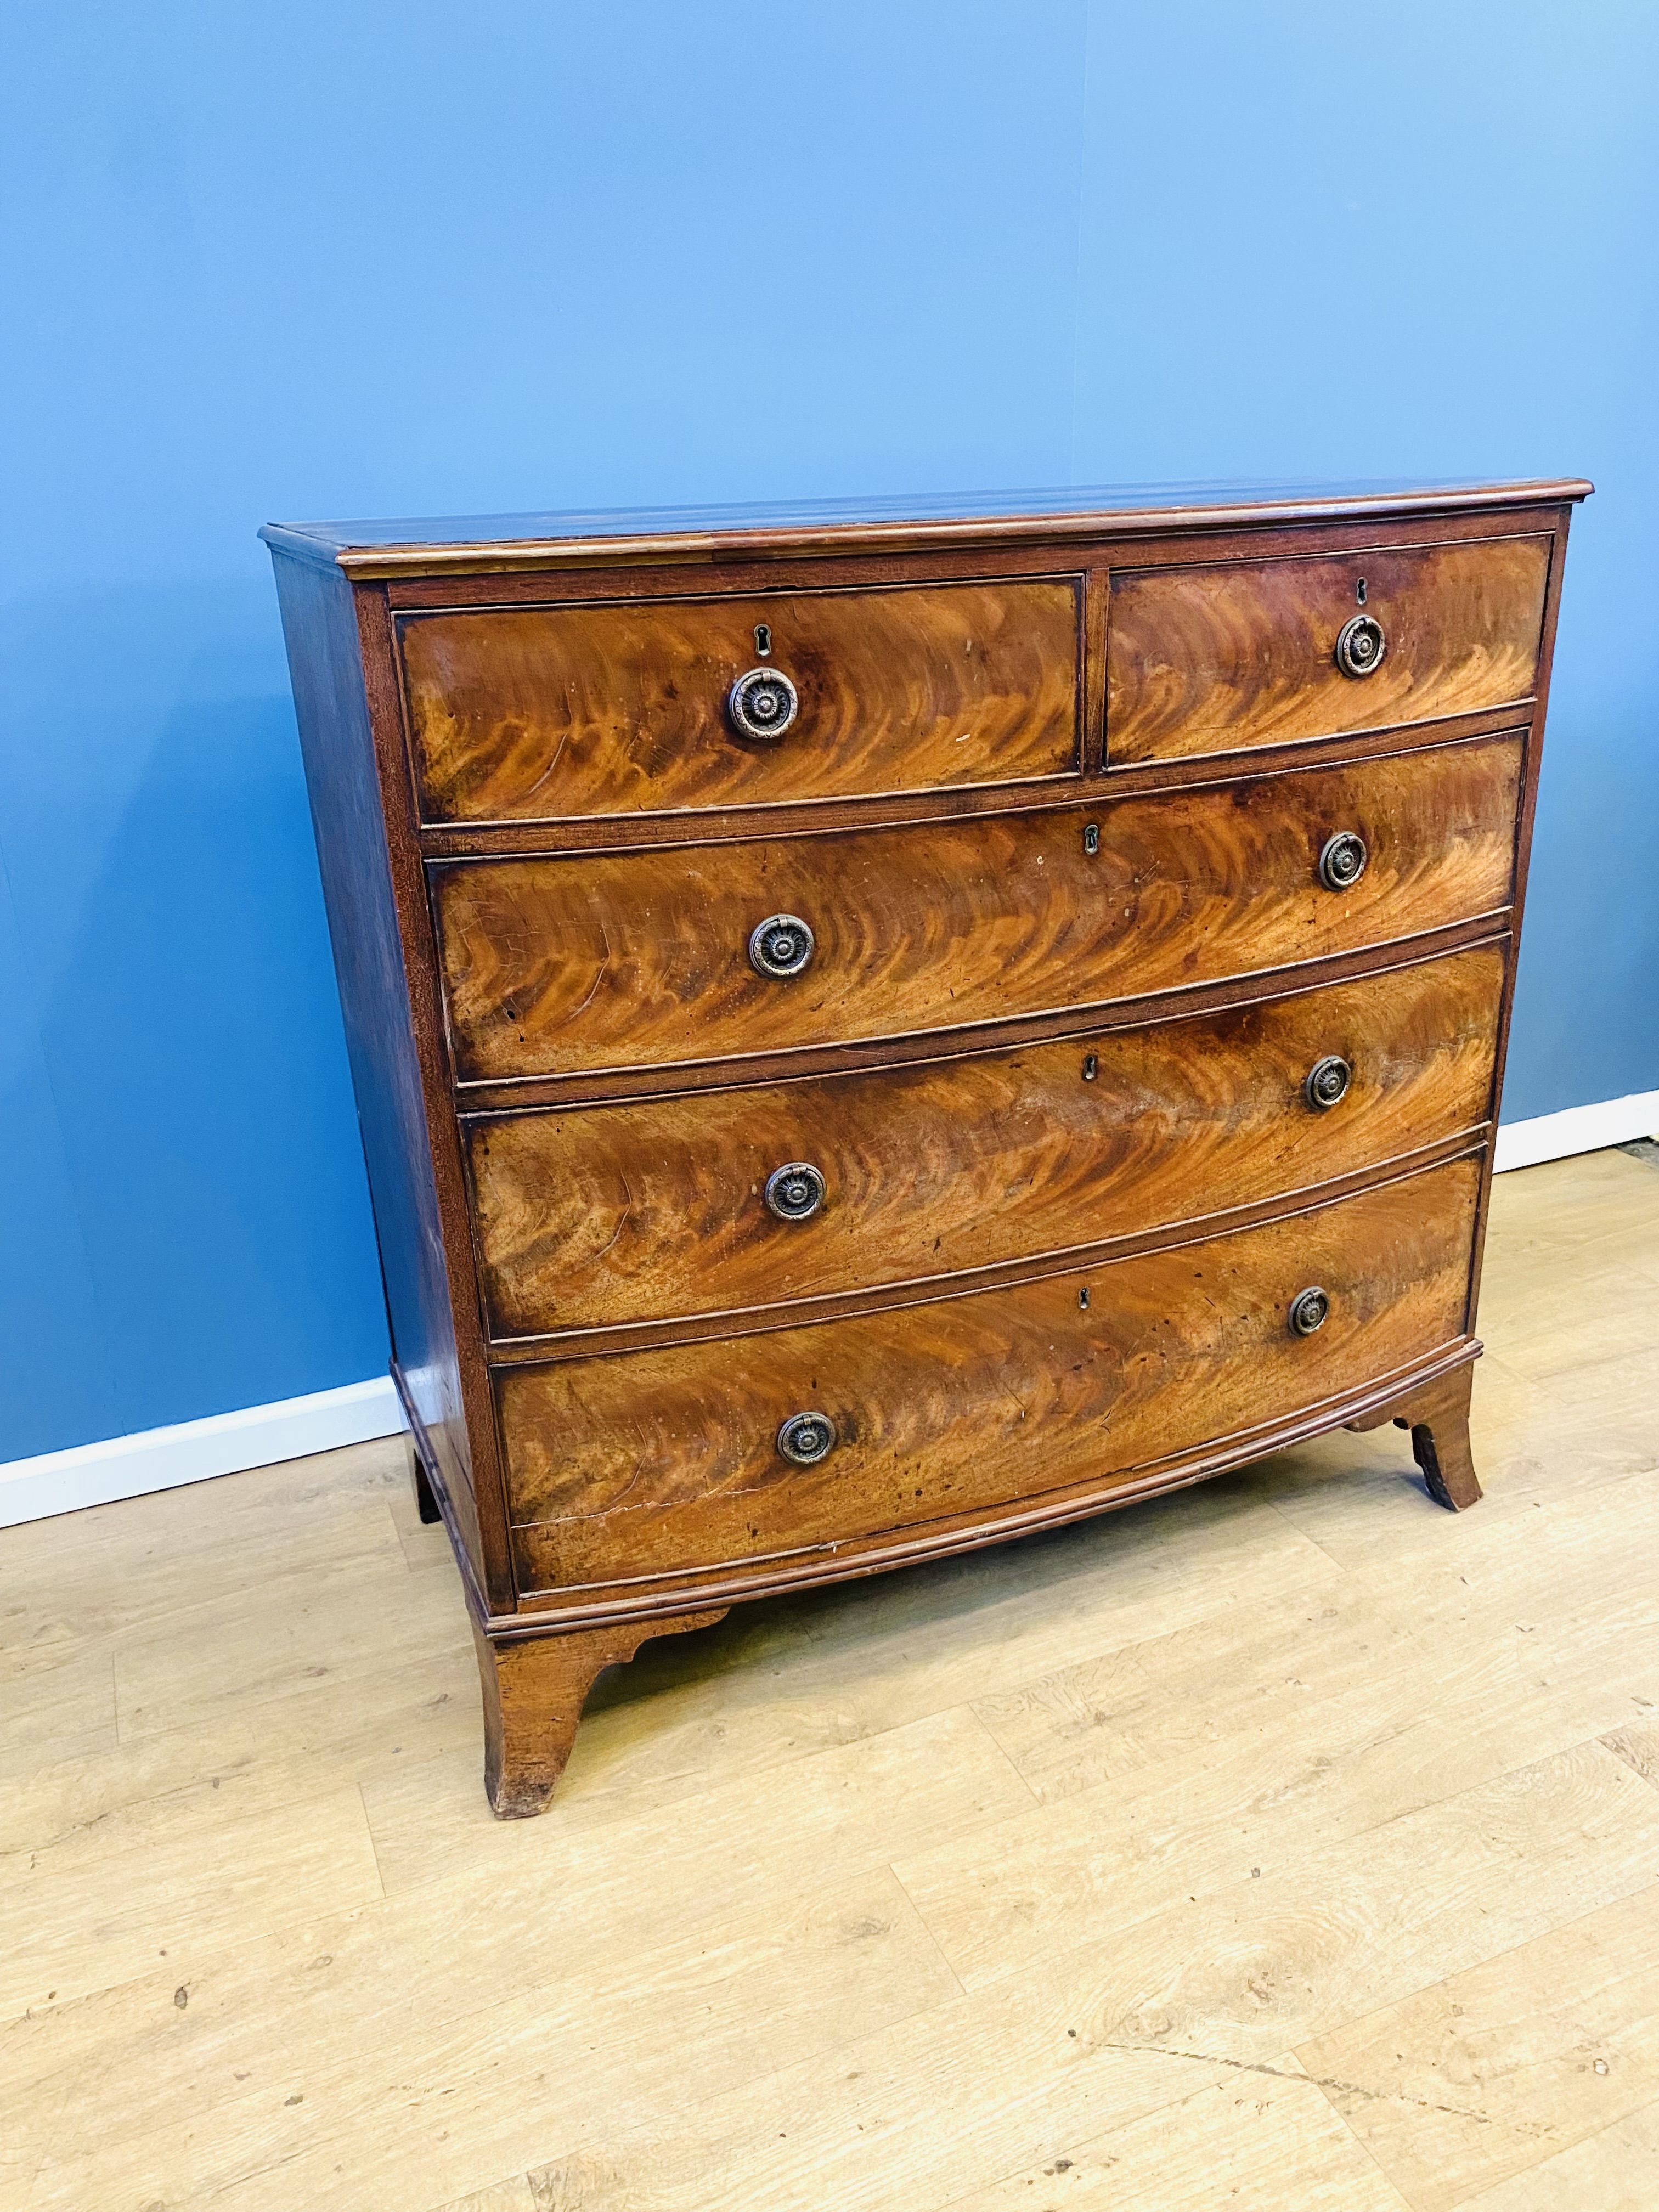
(1207, 659)
(555, 966)
(599, 1216)
(546, 712)
(652, 1462)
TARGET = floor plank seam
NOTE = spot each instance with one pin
(716, 1781)
(1062, 2156)
(1593, 1744)
(940, 1951)
(1324, 1550)
(1610, 1742)
(1394, 2188)
(488, 2189)
(1621, 2120)
(368, 1829)
(1035, 1959)
(61, 1836)
(1488, 1960)
(646, 2131)
(1005, 1756)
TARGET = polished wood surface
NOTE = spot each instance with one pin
(1062, 778)
(1226, 655)
(320, 626)
(555, 966)
(659, 1460)
(534, 1689)
(598, 1216)
(621, 707)
(1437, 1415)
(494, 546)
(1357, 1799)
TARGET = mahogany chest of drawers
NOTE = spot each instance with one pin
(876, 1031)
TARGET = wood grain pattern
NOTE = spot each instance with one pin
(665, 1459)
(1260, 2140)
(597, 847)
(1229, 654)
(1553, 2042)
(1436, 1414)
(1438, 1419)
(534, 1690)
(596, 1215)
(621, 707)
(615, 961)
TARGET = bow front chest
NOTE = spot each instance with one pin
(876, 1029)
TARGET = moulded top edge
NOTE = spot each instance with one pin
(498, 542)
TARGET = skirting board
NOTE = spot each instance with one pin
(226, 1443)
(192, 1451)
(1575, 1129)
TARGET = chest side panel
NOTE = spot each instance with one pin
(320, 624)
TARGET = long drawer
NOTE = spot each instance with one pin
(649, 1463)
(535, 713)
(592, 1217)
(654, 959)
(1229, 654)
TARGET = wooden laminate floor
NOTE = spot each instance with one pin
(1289, 1844)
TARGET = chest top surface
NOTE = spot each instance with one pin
(458, 544)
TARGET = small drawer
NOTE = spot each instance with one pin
(642, 706)
(1216, 657)
(587, 962)
(800, 1439)
(597, 1217)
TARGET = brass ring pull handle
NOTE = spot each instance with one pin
(762, 703)
(1342, 860)
(805, 1438)
(794, 1193)
(1309, 1309)
(1360, 645)
(1328, 1083)
(781, 945)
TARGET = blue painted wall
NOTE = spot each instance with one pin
(336, 259)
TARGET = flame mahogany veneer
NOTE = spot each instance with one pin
(1161, 866)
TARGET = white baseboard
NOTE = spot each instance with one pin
(192, 1451)
(1575, 1129)
(226, 1443)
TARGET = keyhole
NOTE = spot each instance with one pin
(1359, 593)
(1090, 1068)
(763, 635)
(1082, 1298)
